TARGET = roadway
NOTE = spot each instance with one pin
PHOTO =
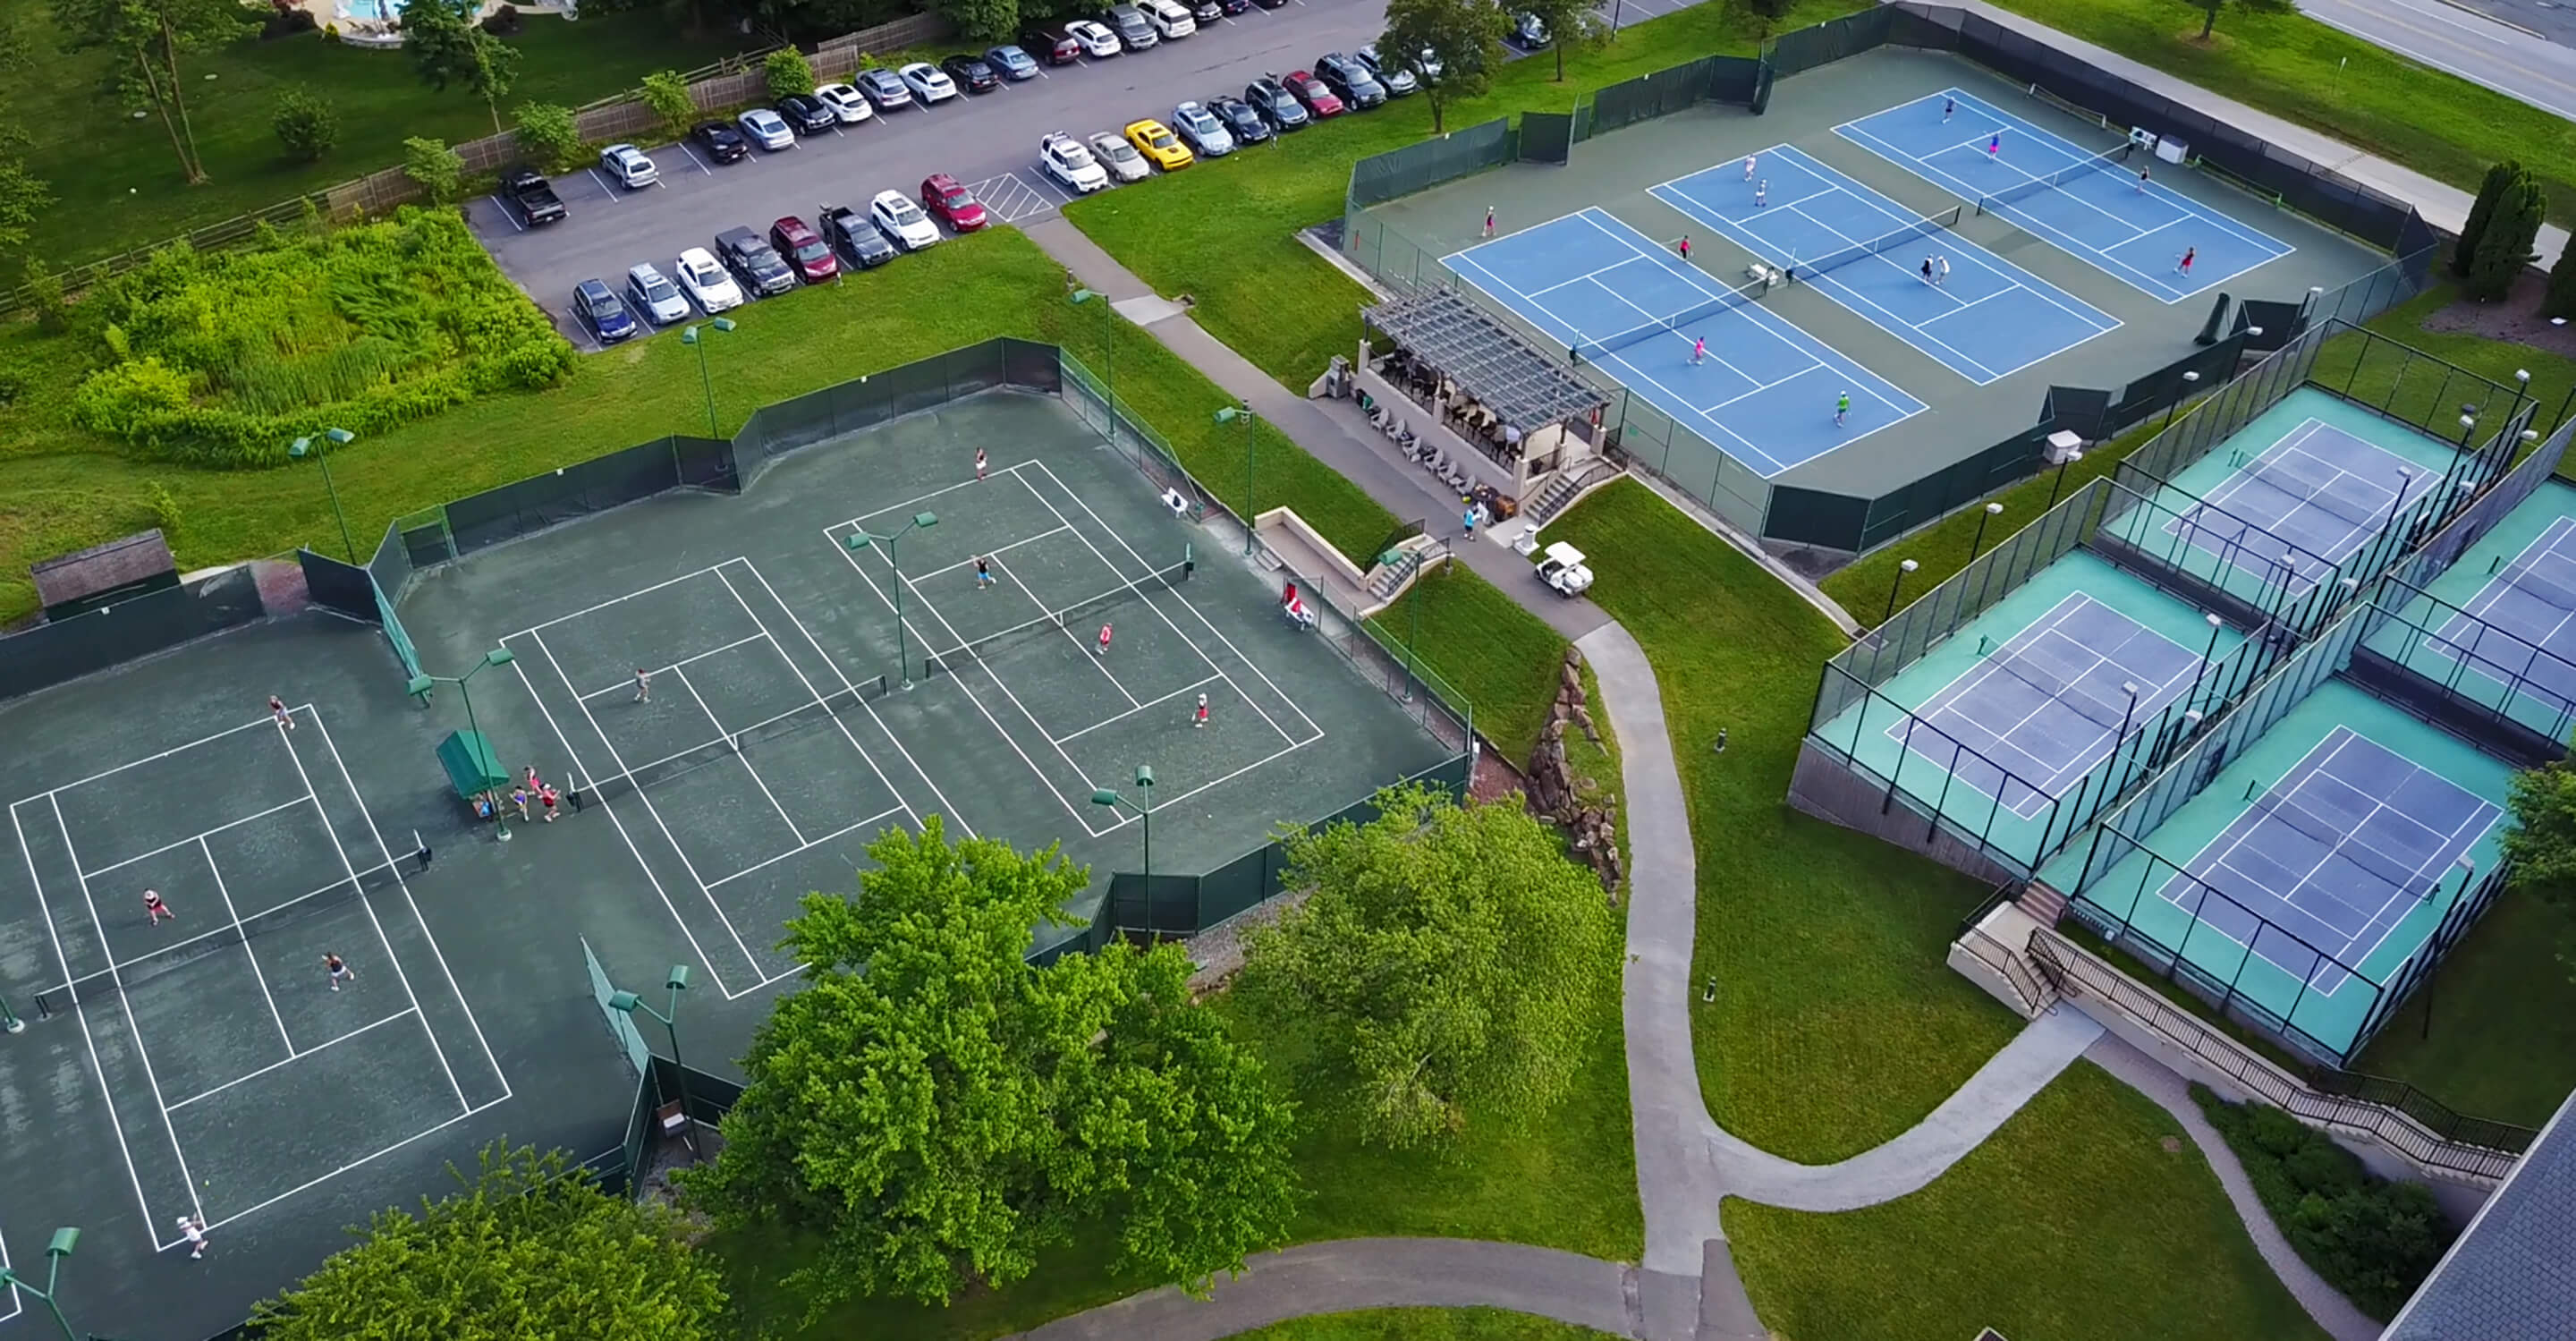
(2513, 47)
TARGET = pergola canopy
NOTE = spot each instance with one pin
(1497, 368)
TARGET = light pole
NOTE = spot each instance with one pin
(1108, 350)
(485, 763)
(2063, 462)
(678, 982)
(2215, 624)
(2405, 476)
(1226, 416)
(1109, 797)
(2189, 380)
(1896, 586)
(860, 539)
(303, 447)
(2127, 715)
(706, 382)
(65, 1239)
(1993, 510)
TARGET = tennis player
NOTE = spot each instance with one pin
(983, 572)
(193, 1229)
(979, 463)
(1842, 408)
(277, 709)
(643, 685)
(339, 970)
(1104, 640)
(155, 909)
(546, 797)
(1199, 718)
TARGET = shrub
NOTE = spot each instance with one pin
(548, 136)
(125, 398)
(439, 170)
(53, 310)
(306, 125)
(505, 22)
(165, 510)
(668, 95)
(287, 22)
(2372, 1239)
(788, 72)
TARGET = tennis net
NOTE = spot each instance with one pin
(1671, 325)
(968, 653)
(2039, 674)
(2541, 586)
(1898, 237)
(2101, 162)
(2322, 485)
(129, 973)
(803, 717)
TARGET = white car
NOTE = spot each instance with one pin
(1097, 42)
(846, 103)
(627, 166)
(898, 218)
(708, 284)
(1206, 135)
(1120, 157)
(657, 298)
(928, 82)
(767, 129)
(1064, 159)
(1170, 20)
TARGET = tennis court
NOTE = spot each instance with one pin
(1767, 391)
(2511, 643)
(2087, 200)
(1975, 313)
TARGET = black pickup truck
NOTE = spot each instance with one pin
(854, 235)
(753, 261)
(536, 199)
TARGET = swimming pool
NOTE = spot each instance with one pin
(381, 11)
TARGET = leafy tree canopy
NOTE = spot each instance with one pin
(938, 1110)
(1448, 961)
(1465, 36)
(531, 1248)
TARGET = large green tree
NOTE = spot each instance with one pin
(448, 47)
(936, 1110)
(2505, 246)
(2542, 842)
(530, 1248)
(1447, 961)
(1464, 36)
(2560, 299)
(2209, 10)
(2482, 208)
(1572, 25)
(150, 41)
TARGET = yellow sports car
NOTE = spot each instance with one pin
(1157, 142)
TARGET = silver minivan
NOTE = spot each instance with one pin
(1171, 21)
(1132, 27)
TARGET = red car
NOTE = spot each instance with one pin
(804, 249)
(945, 199)
(1310, 91)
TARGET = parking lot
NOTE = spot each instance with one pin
(987, 141)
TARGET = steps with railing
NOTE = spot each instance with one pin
(1564, 487)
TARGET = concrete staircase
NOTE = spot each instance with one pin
(2041, 903)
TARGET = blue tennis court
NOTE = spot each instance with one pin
(2520, 629)
(2337, 852)
(2320, 488)
(1767, 390)
(2089, 202)
(1979, 315)
(2050, 702)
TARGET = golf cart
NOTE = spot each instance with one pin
(1563, 569)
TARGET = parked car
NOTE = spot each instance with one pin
(627, 166)
(754, 262)
(706, 282)
(719, 142)
(885, 89)
(599, 308)
(1053, 48)
(1399, 80)
(1199, 127)
(1120, 157)
(1062, 157)
(951, 203)
(1135, 31)
(853, 236)
(1158, 144)
(1312, 94)
(1426, 62)
(1205, 11)
(1529, 32)
(1276, 105)
(972, 73)
(903, 221)
(846, 102)
(1350, 81)
(533, 196)
(807, 115)
(657, 298)
(929, 83)
(1171, 21)
(767, 129)
(1230, 8)
(1014, 63)
(1096, 40)
(1273, 4)
(1241, 121)
(805, 250)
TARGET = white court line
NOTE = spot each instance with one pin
(151, 758)
(534, 629)
(197, 838)
(362, 1159)
(808, 846)
(291, 1058)
(16, 1305)
(256, 972)
(993, 554)
(910, 505)
(734, 743)
(1184, 689)
(1098, 663)
(341, 851)
(676, 666)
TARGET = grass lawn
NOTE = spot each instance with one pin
(2088, 1215)
(1837, 1024)
(117, 183)
(1423, 1324)
(2301, 70)
(1224, 231)
(1500, 655)
(2503, 1041)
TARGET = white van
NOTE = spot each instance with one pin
(1169, 19)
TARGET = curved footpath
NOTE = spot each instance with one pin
(1686, 1289)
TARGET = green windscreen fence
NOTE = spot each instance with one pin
(1547, 137)
(1423, 165)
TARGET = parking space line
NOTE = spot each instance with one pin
(511, 219)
